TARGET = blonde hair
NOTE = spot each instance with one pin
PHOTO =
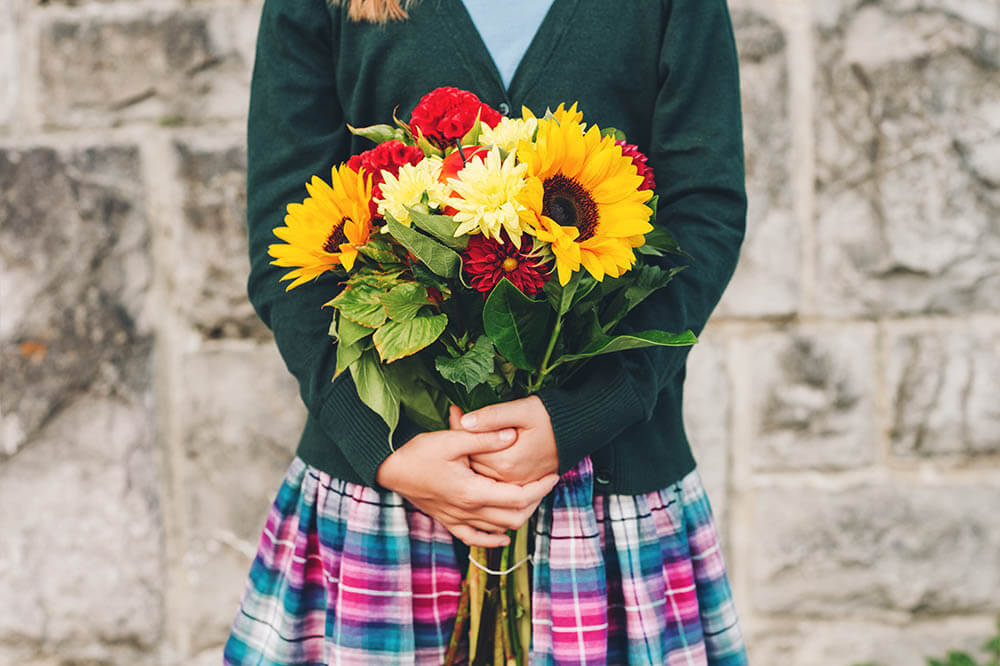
(376, 11)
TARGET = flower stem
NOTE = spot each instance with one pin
(544, 369)
(460, 618)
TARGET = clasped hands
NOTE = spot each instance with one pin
(485, 475)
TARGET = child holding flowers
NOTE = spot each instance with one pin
(362, 557)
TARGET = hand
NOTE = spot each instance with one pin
(531, 457)
(432, 472)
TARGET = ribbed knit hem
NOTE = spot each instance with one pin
(588, 415)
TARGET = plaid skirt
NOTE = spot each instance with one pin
(347, 575)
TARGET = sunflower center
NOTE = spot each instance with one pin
(509, 264)
(569, 204)
(336, 238)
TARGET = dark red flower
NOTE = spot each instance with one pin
(639, 160)
(446, 114)
(389, 155)
(486, 262)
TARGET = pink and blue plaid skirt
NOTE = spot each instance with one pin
(347, 575)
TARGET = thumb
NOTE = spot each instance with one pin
(465, 444)
(502, 415)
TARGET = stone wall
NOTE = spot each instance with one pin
(843, 401)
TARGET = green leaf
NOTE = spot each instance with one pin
(419, 393)
(614, 133)
(471, 137)
(640, 282)
(361, 303)
(396, 339)
(375, 390)
(378, 133)
(440, 259)
(662, 240)
(471, 368)
(517, 325)
(379, 250)
(350, 332)
(405, 300)
(441, 227)
(346, 355)
(609, 344)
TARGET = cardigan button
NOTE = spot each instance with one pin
(504, 108)
(602, 477)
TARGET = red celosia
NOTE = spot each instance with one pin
(446, 114)
(389, 155)
(639, 160)
(486, 262)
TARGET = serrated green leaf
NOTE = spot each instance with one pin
(438, 258)
(361, 303)
(518, 326)
(379, 250)
(405, 300)
(397, 339)
(662, 240)
(471, 368)
(614, 133)
(377, 133)
(381, 396)
(441, 227)
(609, 344)
(640, 283)
(350, 332)
(419, 393)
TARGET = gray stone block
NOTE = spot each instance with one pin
(945, 389)
(165, 66)
(907, 129)
(813, 398)
(210, 282)
(241, 422)
(74, 271)
(767, 278)
(9, 64)
(929, 549)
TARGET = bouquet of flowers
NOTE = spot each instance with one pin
(481, 258)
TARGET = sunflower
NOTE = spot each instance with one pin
(325, 230)
(587, 197)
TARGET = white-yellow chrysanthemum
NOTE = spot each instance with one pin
(407, 189)
(509, 133)
(487, 195)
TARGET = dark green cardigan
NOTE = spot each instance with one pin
(663, 71)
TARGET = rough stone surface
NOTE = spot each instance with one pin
(163, 66)
(823, 643)
(8, 63)
(65, 216)
(907, 158)
(813, 394)
(708, 419)
(211, 281)
(933, 549)
(242, 419)
(945, 388)
(767, 277)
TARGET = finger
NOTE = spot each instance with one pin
(503, 415)
(492, 520)
(473, 537)
(466, 444)
(455, 417)
(486, 470)
(489, 493)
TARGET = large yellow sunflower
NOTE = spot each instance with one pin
(326, 229)
(587, 197)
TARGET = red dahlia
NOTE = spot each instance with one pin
(446, 114)
(486, 262)
(389, 155)
(639, 160)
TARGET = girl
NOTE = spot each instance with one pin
(362, 555)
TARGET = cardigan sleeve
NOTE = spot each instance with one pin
(696, 151)
(296, 130)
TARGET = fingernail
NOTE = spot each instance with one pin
(469, 421)
(506, 435)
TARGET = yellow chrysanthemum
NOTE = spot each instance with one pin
(325, 230)
(487, 198)
(586, 195)
(509, 133)
(407, 189)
